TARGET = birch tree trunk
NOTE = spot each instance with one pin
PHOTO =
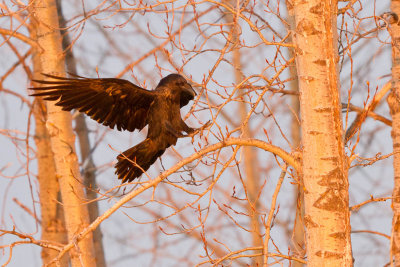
(394, 105)
(325, 166)
(53, 224)
(62, 137)
(82, 132)
(53, 227)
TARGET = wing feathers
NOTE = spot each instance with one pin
(112, 102)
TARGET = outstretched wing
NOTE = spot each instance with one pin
(112, 102)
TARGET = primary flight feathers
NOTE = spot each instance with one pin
(119, 103)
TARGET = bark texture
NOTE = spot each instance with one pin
(394, 105)
(81, 129)
(325, 167)
(53, 224)
(53, 227)
(297, 238)
(62, 137)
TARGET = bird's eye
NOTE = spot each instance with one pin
(181, 83)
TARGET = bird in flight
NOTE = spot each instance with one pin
(121, 104)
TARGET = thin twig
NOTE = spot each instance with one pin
(271, 215)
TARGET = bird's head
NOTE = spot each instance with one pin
(178, 84)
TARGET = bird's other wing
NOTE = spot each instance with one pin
(112, 102)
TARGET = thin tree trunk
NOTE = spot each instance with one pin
(62, 138)
(250, 166)
(249, 153)
(325, 167)
(82, 132)
(297, 244)
(53, 224)
(53, 227)
(394, 105)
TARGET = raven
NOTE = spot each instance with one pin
(121, 104)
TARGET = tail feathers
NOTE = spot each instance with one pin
(136, 160)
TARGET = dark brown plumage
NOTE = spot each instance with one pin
(121, 104)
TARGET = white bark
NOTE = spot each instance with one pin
(62, 138)
(325, 167)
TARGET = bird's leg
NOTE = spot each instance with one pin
(172, 130)
(193, 131)
(187, 129)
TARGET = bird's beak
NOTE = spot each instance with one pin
(190, 90)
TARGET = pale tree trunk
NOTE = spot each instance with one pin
(297, 238)
(82, 132)
(298, 244)
(250, 164)
(249, 153)
(53, 225)
(325, 166)
(394, 105)
(62, 138)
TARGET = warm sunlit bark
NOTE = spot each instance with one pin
(82, 133)
(394, 105)
(61, 135)
(325, 167)
(52, 216)
(298, 244)
(297, 238)
(53, 228)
